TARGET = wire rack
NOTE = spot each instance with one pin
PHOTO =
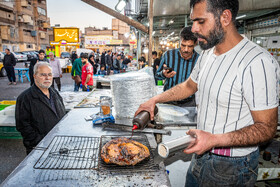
(70, 152)
(145, 165)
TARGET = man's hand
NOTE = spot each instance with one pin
(204, 142)
(61, 76)
(148, 106)
(168, 75)
(72, 77)
(85, 85)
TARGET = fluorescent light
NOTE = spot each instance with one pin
(171, 21)
(153, 32)
(258, 41)
(242, 16)
(171, 34)
(161, 43)
(165, 42)
(120, 6)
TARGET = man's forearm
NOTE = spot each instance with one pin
(179, 92)
(251, 135)
(87, 79)
(247, 136)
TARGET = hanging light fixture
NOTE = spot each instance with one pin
(120, 6)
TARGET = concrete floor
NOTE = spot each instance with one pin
(12, 151)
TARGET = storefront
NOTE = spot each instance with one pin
(65, 40)
(101, 43)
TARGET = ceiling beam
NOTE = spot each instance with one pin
(117, 15)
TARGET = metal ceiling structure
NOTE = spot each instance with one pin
(172, 16)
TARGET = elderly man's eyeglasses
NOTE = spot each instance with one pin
(45, 75)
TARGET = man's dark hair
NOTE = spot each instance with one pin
(218, 6)
(142, 59)
(119, 55)
(186, 34)
(84, 55)
(41, 51)
(154, 53)
(7, 49)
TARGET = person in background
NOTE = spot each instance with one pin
(9, 62)
(144, 56)
(126, 61)
(102, 71)
(39, 108)
(74, 56)
(93, 63)
(141, 62)
(114, 56)
(41, 58)
(117, 64)
(237, 82)
(182, 62)
(87, 73)
(77, 71)
(56, 70)
(109, 62)
(103, 58)
(97, 56)
(155, 64)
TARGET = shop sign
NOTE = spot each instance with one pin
(69, 35)
(98, 40)
(116, 42)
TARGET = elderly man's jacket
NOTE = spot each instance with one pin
(35, 116)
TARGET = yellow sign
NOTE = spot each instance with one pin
(116, 42)
(70, 35)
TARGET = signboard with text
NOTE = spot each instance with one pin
(70, 35)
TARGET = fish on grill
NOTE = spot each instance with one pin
(124, 152)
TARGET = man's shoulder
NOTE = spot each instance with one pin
(25, 94)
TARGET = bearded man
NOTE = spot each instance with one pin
(39, 108)
(237, 84)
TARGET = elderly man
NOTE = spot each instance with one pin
(237, 83)
(56, 69)
(39, 108)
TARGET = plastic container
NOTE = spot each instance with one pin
(159, 82)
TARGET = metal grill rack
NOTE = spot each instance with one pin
(70, 152)
(145, 165)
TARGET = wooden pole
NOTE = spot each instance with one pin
(117, 15)
(151, 25)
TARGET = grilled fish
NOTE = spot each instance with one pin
(124, 152)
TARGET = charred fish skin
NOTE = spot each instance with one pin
(124, 152)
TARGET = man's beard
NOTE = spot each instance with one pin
(216, 36)
(43, 85)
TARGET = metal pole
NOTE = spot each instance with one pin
(138, 46)
(186, 21)
(117, 15)
(151, 24)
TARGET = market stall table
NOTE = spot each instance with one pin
(73, 124)
(21, 72)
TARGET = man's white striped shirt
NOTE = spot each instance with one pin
(244, 79)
